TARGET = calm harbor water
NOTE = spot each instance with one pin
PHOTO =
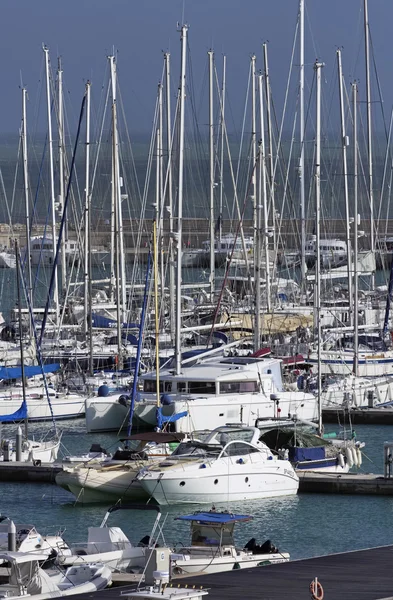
(306, 525)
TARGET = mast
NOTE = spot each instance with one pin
(369, 134)
(254, 149)
(22, 358)
(344, 143)
(61, 173)
(223, 92)
(87, 261)
(270, 161)
(355, 233)
(167, 57)
(211, 171)
(160, 223)
(27, 193)
(318, 66)
(182, 91)
(120, 266)
(301, 159)
(52, 183)
(263, 197)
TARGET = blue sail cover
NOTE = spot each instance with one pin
(18, 415)
(16, 372)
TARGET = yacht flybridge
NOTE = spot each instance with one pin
(222, 391)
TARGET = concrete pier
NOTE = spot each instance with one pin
(29, 472)
(359, 416)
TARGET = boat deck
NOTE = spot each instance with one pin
(360, 575)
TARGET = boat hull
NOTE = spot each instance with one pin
(207, 485)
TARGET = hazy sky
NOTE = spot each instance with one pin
(83, 32)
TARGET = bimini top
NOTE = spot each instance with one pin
(214, 518)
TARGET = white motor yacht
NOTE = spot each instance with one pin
(222, 391)
(230, 464)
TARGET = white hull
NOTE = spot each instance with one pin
(102, 485)
(105, 414)
(64, 406)
(220, 564)
(359, 392)
(211, 412)
(246, 481)
(46, 452)
(341, 363)
(119, 560)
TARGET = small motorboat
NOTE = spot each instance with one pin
(27, 579)
(28, 539)
(110, 545)
(213, 548)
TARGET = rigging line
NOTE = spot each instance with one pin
(242, 135)
(14, 184)
(51, 285)
(228, 264)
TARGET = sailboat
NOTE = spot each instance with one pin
(26, 449)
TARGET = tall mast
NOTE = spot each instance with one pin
(270, 144)
(344, 144)
(211, 171)
(263, 197)
(369, 133)
(52, 182)
(160, 223)
(222, 121)
(257, 248)
(61, 172)
(167, 57)
(182, 90)
(27, 193)
(254, 148)
(87, 212)
(355, 234)
(120, 266)
(301, 159)
(317, 299)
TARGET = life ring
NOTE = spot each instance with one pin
(316, 590)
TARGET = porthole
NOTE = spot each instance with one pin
(246, 480)
(182, 483)
(215, 481)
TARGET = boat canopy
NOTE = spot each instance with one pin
(214, 518)
(16, 372)
(18, 415)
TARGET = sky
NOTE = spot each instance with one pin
(84, 32)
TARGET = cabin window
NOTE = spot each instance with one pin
(150, 386)
(181, 386)
(236, 387)
(239, 449)
(201, 387)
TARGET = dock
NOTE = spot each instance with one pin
(359, 416)
(360, 575)
(309, 482)
(345, 483)
(29, 472)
